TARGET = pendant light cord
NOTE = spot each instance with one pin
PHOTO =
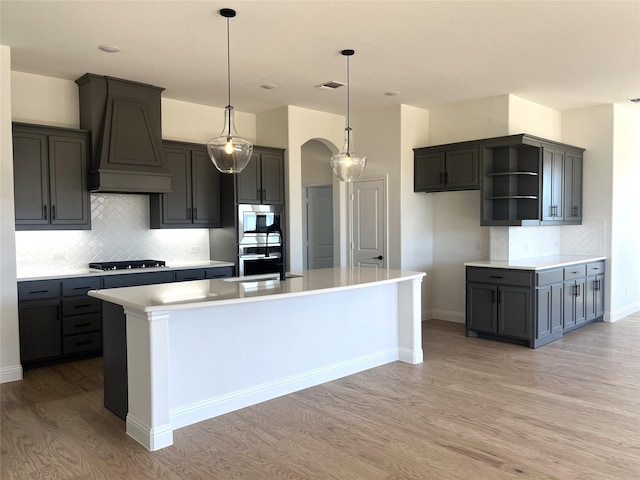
(229, 76)
(348, 108)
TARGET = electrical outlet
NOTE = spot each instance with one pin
(195, 250)
(478, 245)
(59, 255)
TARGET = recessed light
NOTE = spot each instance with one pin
(392, 94)
(269, 86)
(108, 48)
(635, 100)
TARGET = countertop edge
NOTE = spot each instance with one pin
(156, 309)
(530, 263)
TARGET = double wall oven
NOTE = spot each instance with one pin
(258, 251)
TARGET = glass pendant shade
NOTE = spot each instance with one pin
(348, 165)
(229, 152)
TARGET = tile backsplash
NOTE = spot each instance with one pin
(119, 231)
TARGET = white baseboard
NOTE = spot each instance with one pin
(622, 312)
(151, 438)
(212, 407)
(11, 374)
(448, 315)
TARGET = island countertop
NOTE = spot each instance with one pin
(537, 263)
(204, 293)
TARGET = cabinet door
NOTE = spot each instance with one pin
(205, 180)
(176, 206)
(31, 178)
(429, 172)
(461, 169)
(514, 311)
(219, 272)
(272, 175)
(549, 302)
(69, 196)
(248, 182)
(481, 307)
(552, 184)
(40, 330)
(572, 187)
(595, 297)
(190, 274)
(575, 304)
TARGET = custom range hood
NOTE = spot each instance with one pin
(126, 135)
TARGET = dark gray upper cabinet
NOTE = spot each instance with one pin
(50, 178)
(195, 200)
(446, 168)
(530, 181)
(262, 181)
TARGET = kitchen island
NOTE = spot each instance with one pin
(199, 349)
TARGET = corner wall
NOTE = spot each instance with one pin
(10, 367)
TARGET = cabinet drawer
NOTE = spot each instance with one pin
(220, 272)
(79, 286)
(186, 275)
(548, 277)
(83, 342)
(500, 276)
(575, 271)
(82, 324)
(80, 305)
(38, 290)
(595, 268)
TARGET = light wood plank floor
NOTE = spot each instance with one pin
(475, 409)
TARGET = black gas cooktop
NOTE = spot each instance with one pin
(127, 264)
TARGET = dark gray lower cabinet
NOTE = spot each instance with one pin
(58, 321)
(499, 302)
(533, 307)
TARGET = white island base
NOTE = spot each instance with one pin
(199, 349)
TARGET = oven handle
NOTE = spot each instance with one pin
(259, 256)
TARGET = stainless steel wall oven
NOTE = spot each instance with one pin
(258, 251)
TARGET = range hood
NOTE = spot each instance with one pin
(124, 119)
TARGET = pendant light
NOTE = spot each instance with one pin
(347, 164)
(229, 152)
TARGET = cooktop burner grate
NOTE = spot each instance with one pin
(126, 264)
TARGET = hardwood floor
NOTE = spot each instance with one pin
(475, 409)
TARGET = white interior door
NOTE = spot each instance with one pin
(369, 223)
(319, 227)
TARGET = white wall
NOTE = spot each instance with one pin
(625, 231)
(416, 209)
(304, 125)
(526, 116)
(10, 368)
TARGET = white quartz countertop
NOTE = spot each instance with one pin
(536, 263)
(205, 293)
(53, 272)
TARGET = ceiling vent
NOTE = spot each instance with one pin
(332, 85)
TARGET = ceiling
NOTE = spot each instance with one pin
(562, 54)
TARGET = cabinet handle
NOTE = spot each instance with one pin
(86, 342)
(577, 290)
(44, 210)
(496, 276)
(82, 288)
(38, 291)
(53, 212)
(84, 305)
(80, 325)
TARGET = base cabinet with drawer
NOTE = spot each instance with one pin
(58, 322)
(533, 307)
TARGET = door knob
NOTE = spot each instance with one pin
(379, 257)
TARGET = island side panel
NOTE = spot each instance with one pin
(148, 418)
(410, 321)
(229, 357)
